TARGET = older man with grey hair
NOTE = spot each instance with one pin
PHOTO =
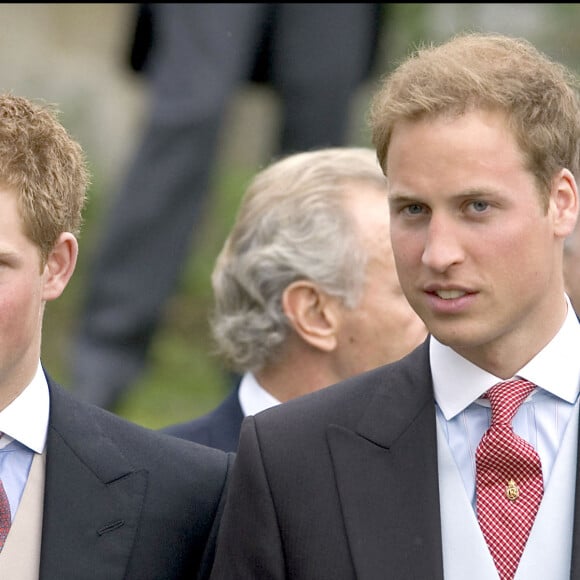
(306, 292)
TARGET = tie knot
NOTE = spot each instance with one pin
(505, 399)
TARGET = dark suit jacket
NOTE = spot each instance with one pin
(341, 484)
(124, 502)
(220, 428)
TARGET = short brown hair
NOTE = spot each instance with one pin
(487, 71)
(46, 168)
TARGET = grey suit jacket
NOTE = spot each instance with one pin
(341, 484)
(124, 502)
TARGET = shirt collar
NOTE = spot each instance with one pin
(556, 368)
(26, 418)
(253, 397)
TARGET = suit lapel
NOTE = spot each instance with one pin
(93, 498)
(386, 474)
(575, 566)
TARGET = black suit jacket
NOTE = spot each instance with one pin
(341, 484)
(124, 502)
(220, 428)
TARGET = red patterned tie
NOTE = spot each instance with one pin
(509, 483)
(5, 518)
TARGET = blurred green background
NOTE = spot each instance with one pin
(83, 69)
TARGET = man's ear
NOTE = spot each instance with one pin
(60, 265)
(564, 203)
(312, 313)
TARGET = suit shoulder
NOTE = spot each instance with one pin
(344, 402)
(93, 432)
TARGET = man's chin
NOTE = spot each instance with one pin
(456, 338)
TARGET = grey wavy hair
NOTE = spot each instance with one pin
(292, 225)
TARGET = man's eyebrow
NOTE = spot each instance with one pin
(6, 254)
(483, 192)
(403, 197)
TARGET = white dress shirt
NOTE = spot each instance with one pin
(542, 418)
(463, 417)
(253, 397)
(24, 423)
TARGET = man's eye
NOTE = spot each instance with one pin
(479, 205)
(414, 209)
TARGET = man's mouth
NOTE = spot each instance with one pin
(450, 294)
